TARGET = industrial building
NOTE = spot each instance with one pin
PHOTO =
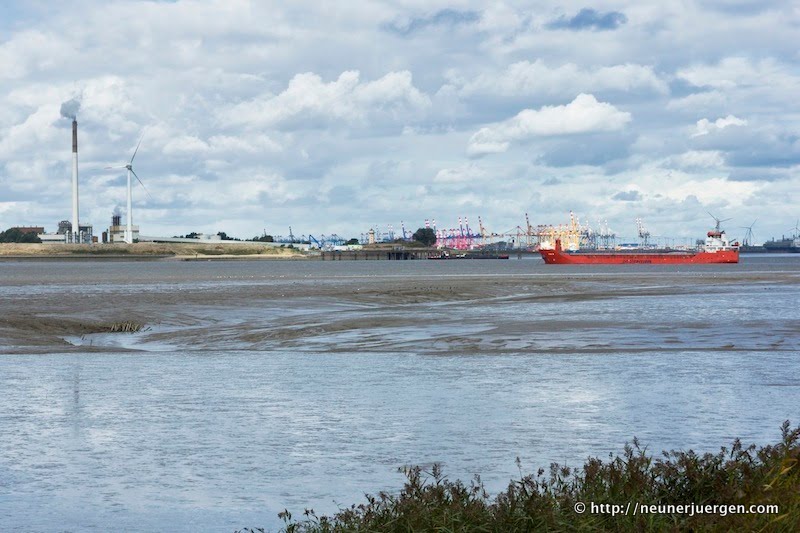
(116, 232)
(65, 235)
(29, 229)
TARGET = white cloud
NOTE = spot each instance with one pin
(711, 190)
(251, 144)
(699, 102)
(526, 79)
(308, 99)
(704, 126)
(271, 185)
(733, 72)
(583, 115)
(460, 174)
(30, 51)
(35, 130)
(698, 159)
(499, 18)
(220, 145)
(185, 144)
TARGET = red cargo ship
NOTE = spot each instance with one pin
(717, 249)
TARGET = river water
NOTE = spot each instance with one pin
(259, 386)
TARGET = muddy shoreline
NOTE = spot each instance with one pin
(549, 311)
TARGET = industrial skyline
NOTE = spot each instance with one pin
(260, 117)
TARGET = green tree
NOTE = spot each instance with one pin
(15, 235)
(352, 241)
(426, 236)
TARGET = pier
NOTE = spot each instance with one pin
(400, 253)
(378, 254)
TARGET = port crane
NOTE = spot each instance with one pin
(606, 237)
(529, 231)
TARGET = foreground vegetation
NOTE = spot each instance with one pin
(547, 501)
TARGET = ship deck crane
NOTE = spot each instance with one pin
(644, 235)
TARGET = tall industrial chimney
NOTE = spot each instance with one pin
(76, 228)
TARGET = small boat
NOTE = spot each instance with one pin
(447, 255)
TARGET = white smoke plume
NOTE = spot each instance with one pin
(70, 108)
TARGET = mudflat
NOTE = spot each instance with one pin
(520, 307)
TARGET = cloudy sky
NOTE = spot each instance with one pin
(340, 116)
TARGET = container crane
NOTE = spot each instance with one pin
(530, 231)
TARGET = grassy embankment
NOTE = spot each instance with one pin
(144, 249)
(547, 501)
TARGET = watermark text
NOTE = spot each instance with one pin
(689, 509)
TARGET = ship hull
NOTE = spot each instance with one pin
(559, 257)
(781, 249)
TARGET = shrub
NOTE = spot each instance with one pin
(430, 502)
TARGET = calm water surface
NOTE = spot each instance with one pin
(222, 431)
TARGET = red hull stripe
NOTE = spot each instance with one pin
(556, 257)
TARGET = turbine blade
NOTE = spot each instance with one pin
(142, 184)
(113, 168)
(137, 148)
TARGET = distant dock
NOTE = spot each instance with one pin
(378, 254)
(408, 254)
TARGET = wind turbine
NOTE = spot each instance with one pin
(796, 229)
(718, 221)
(129, 167)
(748, 236)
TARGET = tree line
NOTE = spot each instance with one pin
(15, 235)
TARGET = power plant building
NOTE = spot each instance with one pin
(64, 235)
(84, 235)
(116, 232)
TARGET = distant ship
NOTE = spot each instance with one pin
(717, 249)
(783, 246)
(752, 249)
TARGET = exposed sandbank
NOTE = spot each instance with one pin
(550, 312)
(145, 250)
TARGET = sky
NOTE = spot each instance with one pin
(341, 117)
